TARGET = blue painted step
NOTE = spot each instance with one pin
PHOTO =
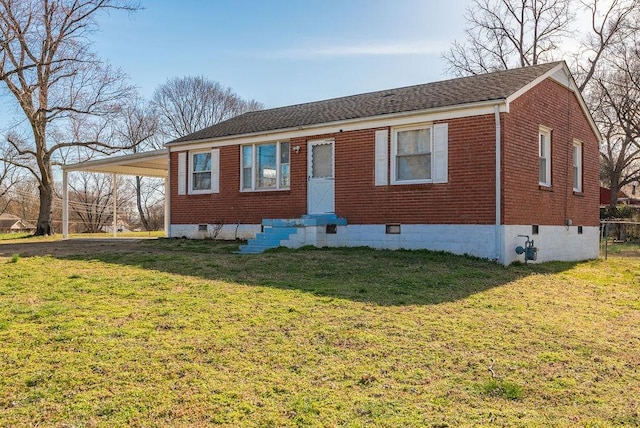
(270, 238)
(278, 230)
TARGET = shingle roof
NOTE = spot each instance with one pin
(7, 221)
(460, 91)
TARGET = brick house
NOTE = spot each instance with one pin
(464, 165)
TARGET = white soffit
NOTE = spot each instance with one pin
(145, 164)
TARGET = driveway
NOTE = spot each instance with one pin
(69, 247)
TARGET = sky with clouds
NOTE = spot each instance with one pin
(282, 52)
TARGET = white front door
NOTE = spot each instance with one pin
(320, 175)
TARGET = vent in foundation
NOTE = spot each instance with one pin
(392, 229)
(202, 228)
(332, 229)
(579, 230)
(535, 229)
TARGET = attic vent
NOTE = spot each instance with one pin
(389, 94)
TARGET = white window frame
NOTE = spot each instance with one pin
(577, 166)
(544, 146)
(394, 153)
(193, 191)
(254, 170)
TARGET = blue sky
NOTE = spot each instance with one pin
(282, 52)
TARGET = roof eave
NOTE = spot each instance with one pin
(337, 124)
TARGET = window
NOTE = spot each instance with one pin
(265, 166)
(200, 172)
(412, 155)
(544, 156)
(577, 166)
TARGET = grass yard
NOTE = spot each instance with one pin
(187, 333)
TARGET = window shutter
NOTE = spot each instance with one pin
(382, 150)
(182, 173)
(440, 152)
(215, 171)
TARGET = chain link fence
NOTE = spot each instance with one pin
(619, 236)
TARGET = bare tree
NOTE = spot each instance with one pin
(139, 128)
(503, 34)
(617, 95)
(188, 104)
(91, 200)
(610, 26)
(50, 72)
(24, 199)
(9, 177)
(149, 202)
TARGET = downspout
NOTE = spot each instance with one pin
(497, 231)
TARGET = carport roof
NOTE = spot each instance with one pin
(147, 164)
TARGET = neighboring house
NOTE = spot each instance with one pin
(628, 195)
(605, 197)
(465, 165)
(10, 223)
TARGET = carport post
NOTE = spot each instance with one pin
(167, 202)
(115, 205)
(65, 205)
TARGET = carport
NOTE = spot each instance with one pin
(146, 164)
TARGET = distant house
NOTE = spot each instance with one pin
(471, 165)
(628, 195)
(10, 223)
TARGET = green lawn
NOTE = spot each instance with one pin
(187, 333)
(14, 236)
(6, 237)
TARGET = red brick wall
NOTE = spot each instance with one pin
(524, 201)
(468, 197)
(232, 206)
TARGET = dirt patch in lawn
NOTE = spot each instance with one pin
(70, 247)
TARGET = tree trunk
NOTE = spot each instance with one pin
(45, 215)
(45, 188)
(141, 213)
(613, 199)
